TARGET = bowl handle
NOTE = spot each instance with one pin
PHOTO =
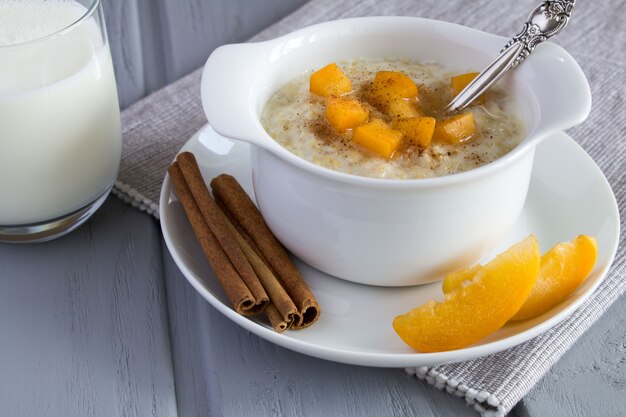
(565, 96)
(227, 80)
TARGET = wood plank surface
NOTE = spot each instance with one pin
(84, 334)
(83, 322)
(590, 379)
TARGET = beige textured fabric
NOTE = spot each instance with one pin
(156, 127)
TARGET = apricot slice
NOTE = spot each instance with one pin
(563, 269)
(417, 129)
(478, 307)
(455, 279)
(459, 82)
(329, 80)
(378, 137)
(456, 129)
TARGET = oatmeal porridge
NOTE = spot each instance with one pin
(339, 125)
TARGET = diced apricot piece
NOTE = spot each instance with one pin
(459, 82)
(330, 80)
(345, 112)
(396, 83)
(456, 129)
(477, 308)
(400, 108)
(417, 129)
(390, 85)
(563, 269)
(378, 137)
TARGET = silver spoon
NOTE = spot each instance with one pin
(545, 21)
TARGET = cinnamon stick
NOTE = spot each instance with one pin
(236, 290)
(284, 307)
(239, 207)
(276, 319)
(216, 221)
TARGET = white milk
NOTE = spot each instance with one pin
(60, 138)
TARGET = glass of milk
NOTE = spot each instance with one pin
(60, 135)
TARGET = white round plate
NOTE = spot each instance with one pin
(568, 196)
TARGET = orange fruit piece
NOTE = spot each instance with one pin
(418, 129)
(394, 84)
(345, 112)
(563, 269)
(478, 307)
(378, 137)
(400, 108)
(459, 82)
(388, 86)
(456, 129)
(455, 279)
(329, 81)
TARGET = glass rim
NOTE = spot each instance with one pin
(90, 11)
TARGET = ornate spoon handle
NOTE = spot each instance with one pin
(545, 21)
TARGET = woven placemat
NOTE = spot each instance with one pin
(156, 127)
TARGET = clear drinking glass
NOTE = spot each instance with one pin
(60, 134)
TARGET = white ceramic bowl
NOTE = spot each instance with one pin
(379, 231)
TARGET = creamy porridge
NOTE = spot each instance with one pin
(296, 118)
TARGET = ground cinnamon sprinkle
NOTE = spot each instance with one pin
(322, 130)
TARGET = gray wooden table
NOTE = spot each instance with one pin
(102, 323)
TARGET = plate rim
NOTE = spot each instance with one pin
(388, 360)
